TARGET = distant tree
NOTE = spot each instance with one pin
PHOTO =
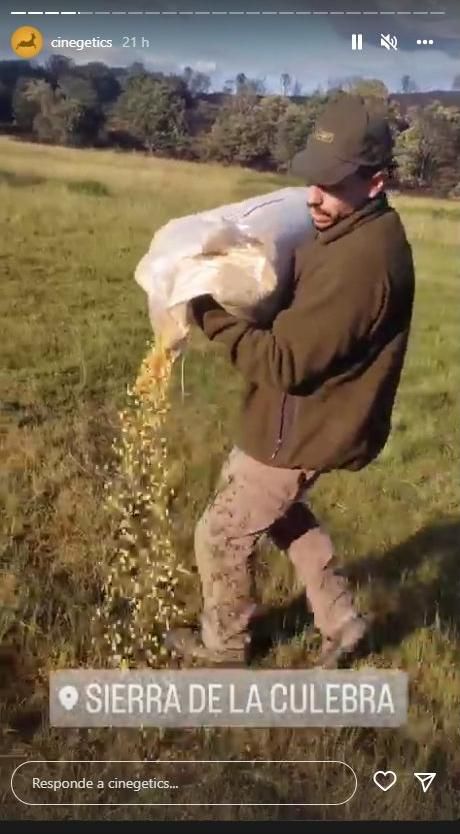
(103, 79)
(396, 120)
(5, 102)
(410, 154)
(427, 152)
(56, 66)
(89, 104)
(200, 119)
(201, 83)
(245, 86)
(59, 121)
(271, 110)
(187, 75)
(240, 82)
(10, 73)
(257, 86)
(293, 129)
(286, 83)
(259, 132)
(58, 117)
(136, 68)
(245, 130)
(296, 88)
(26, 105)
(408, 85)
(239, 139)
(82, 91)
(245, 91)
(153, 112)
(197, 82)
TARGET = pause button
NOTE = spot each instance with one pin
(356, 42)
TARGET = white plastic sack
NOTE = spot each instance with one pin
(240, 253)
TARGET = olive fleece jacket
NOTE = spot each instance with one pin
(323, 376)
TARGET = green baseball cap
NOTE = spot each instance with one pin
(350, 132)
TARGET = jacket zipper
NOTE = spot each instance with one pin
(280, 433)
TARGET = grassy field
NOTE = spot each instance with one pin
(74, 330)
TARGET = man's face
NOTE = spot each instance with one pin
(329, 204)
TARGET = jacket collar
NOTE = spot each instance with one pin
(373, 208)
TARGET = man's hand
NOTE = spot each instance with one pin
(200, 305)
(308, 341)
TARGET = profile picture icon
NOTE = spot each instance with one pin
(27, 42)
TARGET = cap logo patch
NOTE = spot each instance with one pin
(324, 135)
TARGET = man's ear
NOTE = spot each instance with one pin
(378, 183)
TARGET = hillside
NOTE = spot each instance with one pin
(74, 331)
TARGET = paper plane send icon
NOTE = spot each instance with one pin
(425, 780)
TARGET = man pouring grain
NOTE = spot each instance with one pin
(321, 381)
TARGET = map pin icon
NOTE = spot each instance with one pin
(68, 697)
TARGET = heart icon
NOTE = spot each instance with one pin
(68, 696)
(385, 779)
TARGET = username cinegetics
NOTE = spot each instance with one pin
(81, 43)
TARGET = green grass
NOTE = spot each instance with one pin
(74, 330)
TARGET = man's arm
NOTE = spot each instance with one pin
(308, 341)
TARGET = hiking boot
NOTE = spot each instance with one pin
(186, 642)
(342, 643)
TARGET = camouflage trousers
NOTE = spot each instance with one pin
(252, 499)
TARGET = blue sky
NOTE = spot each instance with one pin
(314, 48)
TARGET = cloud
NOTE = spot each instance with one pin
(116, 56)
(200, 66)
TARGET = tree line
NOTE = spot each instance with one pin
(94, 105)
